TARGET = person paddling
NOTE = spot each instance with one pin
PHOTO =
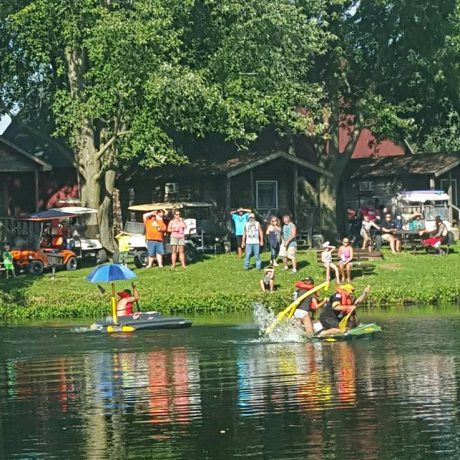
(340, 304)
(126, 301)
(308, 306)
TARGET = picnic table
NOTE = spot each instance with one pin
(410, 240)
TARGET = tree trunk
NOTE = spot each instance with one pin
(328, 189)
(106, 211)
(335, 162)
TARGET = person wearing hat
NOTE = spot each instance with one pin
(326, 259)
(438, 235)
(126, 299)
(307, 308)
(416, 223)
(341, 303)
(253, 239)
(240, 218)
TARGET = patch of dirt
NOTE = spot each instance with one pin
(390, 266)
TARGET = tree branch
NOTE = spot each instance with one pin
(109, 143)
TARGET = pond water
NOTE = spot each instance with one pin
(215, 392)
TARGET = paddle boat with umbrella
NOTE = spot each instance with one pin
(109, 273)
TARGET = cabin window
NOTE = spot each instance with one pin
(267, 194)
(366, 186)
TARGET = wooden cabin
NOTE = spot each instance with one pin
(271, 183)
(19, 179)
(375, 181)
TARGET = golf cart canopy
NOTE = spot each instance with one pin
(422, 196)
(166, 206)
(46, 216)
(78, 210)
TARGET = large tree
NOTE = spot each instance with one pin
(386, 71)
(124, 77)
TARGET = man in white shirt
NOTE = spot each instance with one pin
(253, 239)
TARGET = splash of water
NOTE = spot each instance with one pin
(284, 331)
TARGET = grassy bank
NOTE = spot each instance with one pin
(219, 284)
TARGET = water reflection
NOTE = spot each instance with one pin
(218, 393)
(311, 376)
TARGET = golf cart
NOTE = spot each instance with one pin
(201, 235)
(47, 249)
(429, 203)
(85, 242)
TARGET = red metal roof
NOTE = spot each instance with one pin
(367, 146)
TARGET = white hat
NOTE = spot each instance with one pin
(326, 244)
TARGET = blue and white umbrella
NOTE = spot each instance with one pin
(108, 273)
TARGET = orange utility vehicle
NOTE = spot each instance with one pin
(35, 254)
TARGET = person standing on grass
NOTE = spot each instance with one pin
(274, 239)
(8, 261)
(240, 218)
(176, 228)
(253, 239)
(366, 227)
(346, 255)
(288, 248)
(155, 229)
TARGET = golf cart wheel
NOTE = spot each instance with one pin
(140, 259)
(36, 267)
(71, 264)
(101, 257)
(190, 253)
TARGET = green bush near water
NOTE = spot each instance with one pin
(219, 284)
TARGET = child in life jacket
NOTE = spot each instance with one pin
(306, 309)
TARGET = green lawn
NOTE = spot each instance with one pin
(218, 283)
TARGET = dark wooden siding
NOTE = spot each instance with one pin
(11, 162)
(385, 188)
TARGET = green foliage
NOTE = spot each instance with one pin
(408, 55)
(219, 284)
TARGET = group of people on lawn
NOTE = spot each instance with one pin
(389, 230)
(250, 237)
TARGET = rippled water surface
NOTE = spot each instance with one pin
(215, 392)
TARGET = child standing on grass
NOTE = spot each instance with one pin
(326, 259)
(123, 247)
(8, 261)
(267, 283)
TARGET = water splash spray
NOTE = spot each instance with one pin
(285, 331)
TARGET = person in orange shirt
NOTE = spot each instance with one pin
(155, 229)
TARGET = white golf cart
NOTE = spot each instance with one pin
(84, 239)
(429, 203)
(201, 235)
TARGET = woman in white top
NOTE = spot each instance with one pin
(366, 227)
